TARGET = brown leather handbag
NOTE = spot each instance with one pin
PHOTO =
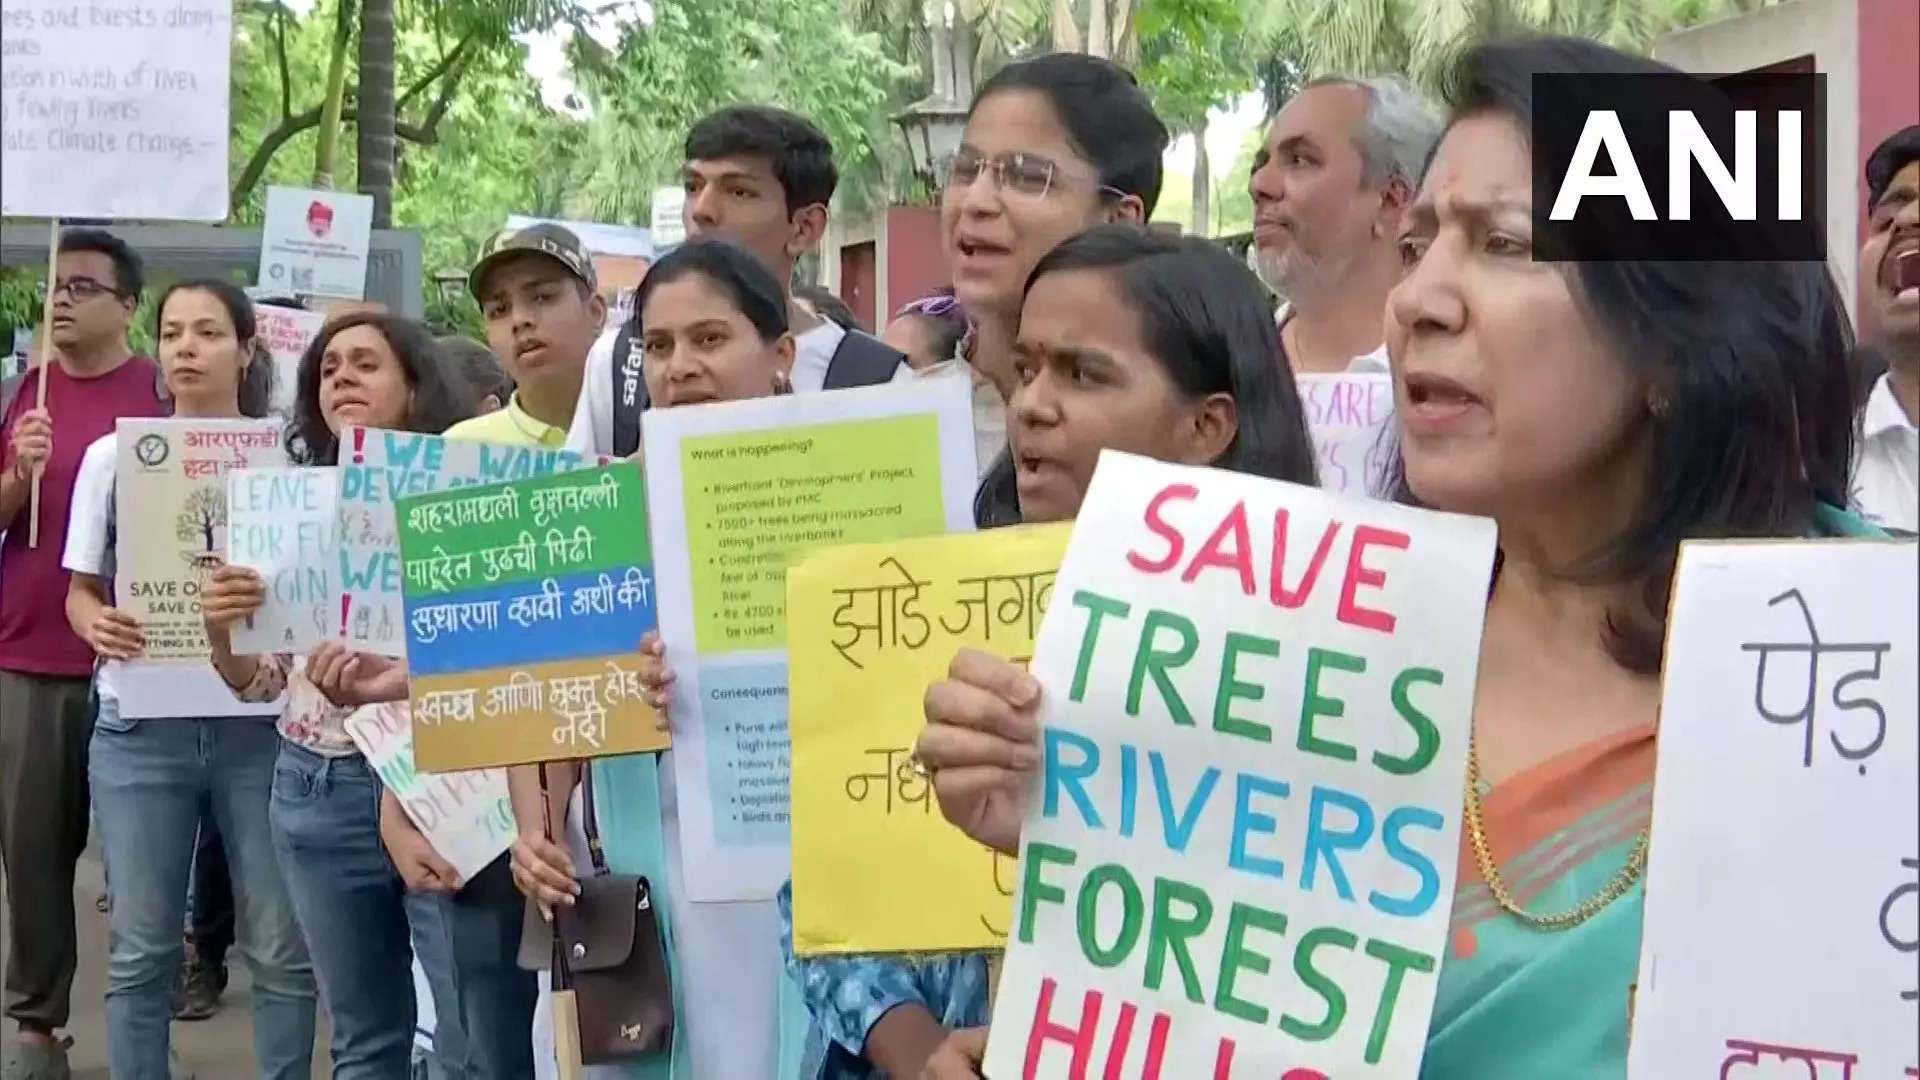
(607, 949)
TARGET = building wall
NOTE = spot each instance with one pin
(1889, 75)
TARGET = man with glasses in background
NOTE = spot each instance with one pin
(46, 673)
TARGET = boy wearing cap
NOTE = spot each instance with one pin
(539, 297)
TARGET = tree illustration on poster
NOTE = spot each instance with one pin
(204, 511)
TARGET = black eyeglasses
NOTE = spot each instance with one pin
(81, 289)
(1023, 174)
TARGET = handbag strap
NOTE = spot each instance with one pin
(560, 974)
(590, 820)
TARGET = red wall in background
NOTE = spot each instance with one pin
(1889, 76)
(916, 265)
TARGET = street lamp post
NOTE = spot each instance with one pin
(934, 125)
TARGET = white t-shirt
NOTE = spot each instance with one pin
(187, 690)
(1886, 472)
(592, 429)
(1372, 363)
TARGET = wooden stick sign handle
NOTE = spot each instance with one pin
(566, 1036)
(46, 357)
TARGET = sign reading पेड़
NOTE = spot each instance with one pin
(525, 605)
(1240, 844)
(736, 492)
(377, 469)
(285, 524)
(876, 868)
(1786, 946)
(114, 110)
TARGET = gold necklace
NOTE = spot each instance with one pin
(1483, 854)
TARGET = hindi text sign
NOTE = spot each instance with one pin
(115, 111)
(875, 866)
(1783, 879)
(170, 497)
(378, 468)
(525, 605)
(1241, 842)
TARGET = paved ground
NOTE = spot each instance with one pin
(216, 1049)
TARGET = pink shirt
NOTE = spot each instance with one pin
(34, 636)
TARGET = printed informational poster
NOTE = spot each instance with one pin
(875, 866)
(1243, 835)
(115, 111)
(377, 468)
(170, 498)
(285, 523)
(314, 243)
(735, 492)
(465, 815)
(525, 605)
(1783, 879)
(287, 332)
(1349, 416)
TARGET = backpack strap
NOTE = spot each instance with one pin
(861, 360)
(629, 394)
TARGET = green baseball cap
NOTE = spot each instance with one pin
(556, 242)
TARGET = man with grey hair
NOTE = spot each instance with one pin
(1340, 166)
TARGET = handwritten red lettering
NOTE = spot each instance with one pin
(1358, 574)
(1213, 554)
(1175, 542)
(1281, 596)
(1079, 1039)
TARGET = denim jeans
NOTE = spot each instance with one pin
(360, 921)
(483, 1001)
(325, 816)
(210, 901)
(150, 779)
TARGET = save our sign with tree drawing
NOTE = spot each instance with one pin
(170, 495)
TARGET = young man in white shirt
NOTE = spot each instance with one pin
(1886, 485)
(762, 177)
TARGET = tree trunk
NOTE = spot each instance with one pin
(1202, 182)
(335, 100)
(1099, 39)
(966, 60)
(1066, 31)
(1120, 31)
(376, 108)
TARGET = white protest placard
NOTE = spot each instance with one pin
(1783, 878)
(114, 110)
(466, 815)
(287, 332)
(1240, 847)
(735, 491)
(1348, 415)
(668, 228)
(314, 243)
(376, 468)
(285, 523)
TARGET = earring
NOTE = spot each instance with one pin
(782, 383)
(1659, 404)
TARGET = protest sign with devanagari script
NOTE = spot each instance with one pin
(285, 524)
(525, 605)
(875, 866)
(170, 491)
(735, 491)
(465, 815)
(1244, 831)
(377, 468)
(1348, 415)
(1783, 879)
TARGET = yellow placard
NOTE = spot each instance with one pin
(869, 628)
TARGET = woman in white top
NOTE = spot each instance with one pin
(151, 776)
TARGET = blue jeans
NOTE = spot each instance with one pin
(150, 779)
(483, 1000)
(360, 922)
